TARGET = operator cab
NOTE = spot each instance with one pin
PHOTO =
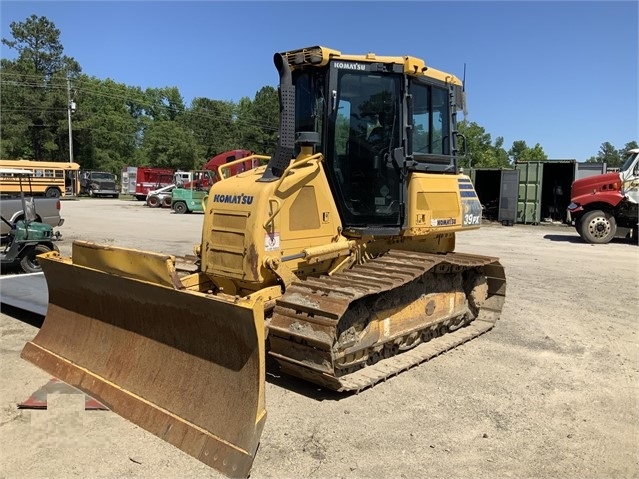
(376, 124)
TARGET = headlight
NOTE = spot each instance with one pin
(572, 206)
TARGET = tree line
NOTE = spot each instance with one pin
(114, 125)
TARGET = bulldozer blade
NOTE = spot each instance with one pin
(186, 366)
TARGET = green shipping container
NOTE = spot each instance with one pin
(529, 202)
(544, 188)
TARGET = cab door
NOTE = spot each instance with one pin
(364, 130)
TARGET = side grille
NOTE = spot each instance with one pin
(225, 248)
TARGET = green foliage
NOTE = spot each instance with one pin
(520, 152)
(258, 121)
(105, 126)
(213, 127)
(631, 145)
(31, 98)
(170, 145)
(483, 153)
(611, 156)
(37, 42)
(163, 104)
(480, 151)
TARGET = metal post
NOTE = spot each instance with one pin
(69, 103)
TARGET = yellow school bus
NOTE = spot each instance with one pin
(50, 178)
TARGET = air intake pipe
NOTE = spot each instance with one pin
(286, 142)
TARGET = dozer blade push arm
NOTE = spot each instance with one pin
(184, 365)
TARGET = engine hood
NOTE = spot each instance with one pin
(605, 182)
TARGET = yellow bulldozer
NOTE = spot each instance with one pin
(336, 259)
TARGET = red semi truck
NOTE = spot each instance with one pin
(229, 156)
(605, 206)
(139, 180)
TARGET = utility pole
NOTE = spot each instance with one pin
(70, 109)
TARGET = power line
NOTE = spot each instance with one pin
(82, 126)
(33, 109)
(138, 101)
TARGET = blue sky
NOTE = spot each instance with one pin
(561, 74)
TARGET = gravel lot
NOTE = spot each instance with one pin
(551, 391)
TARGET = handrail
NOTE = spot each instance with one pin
(226, 166)
(295, 164)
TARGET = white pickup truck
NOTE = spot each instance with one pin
(47, 211)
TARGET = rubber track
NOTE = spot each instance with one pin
(321, 302)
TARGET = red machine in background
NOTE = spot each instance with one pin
(229, 156)
(186, 180)
(139, 180)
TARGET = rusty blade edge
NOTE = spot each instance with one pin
(230, 460)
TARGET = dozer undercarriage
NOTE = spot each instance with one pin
(346, 331)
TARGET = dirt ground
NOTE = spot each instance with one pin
(551, 391)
